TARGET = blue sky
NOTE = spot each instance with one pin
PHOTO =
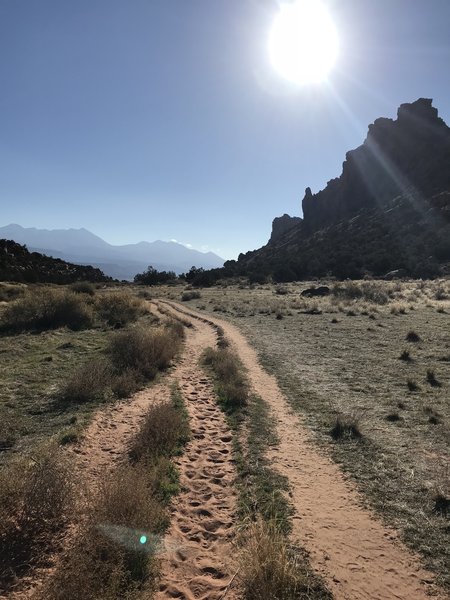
(164, 119)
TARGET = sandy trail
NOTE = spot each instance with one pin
(203, 513)
(201, 532)
(357, 555)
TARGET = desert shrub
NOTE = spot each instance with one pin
(191, 295)
(394, 417)
(440, 294)
(83, 287)
(126, 383)
(413, 337)
(163, 430)
(35, 499)
(281, 290)
(119, 308)
(232, 385)
(87, 383)
(431, 378)
(10, 292)
(406, 356)
(108, 560)
(346, 427)
(269, 567)
(143, 350)
(114, 554)
(369, 291)
(8, 434)
(412, 386)
(47, 308)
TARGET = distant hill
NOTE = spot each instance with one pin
(121, 262)
(18, 264)
(388, 210)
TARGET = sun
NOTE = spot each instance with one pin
(303, 42)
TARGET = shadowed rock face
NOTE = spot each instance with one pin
(282, 225)
(406, 157)
(389, 210)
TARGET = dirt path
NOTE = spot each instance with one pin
(357, 555)
(201, 531)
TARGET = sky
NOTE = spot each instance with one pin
(165, 119)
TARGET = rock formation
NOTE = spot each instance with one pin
(389, 210)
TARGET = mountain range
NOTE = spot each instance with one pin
(389, 210)
(82, 247)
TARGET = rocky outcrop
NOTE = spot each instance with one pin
(389, 210)
(282, 225)
(409, 156)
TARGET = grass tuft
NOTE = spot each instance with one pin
(346, 427)
(272, 569)
(232, 384)
(413, 337)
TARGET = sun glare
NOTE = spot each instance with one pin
(303, 42)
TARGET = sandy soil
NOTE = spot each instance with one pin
(197, 564)
(356, 554)
(201, 532)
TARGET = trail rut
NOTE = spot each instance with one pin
(201, 532)
(357, 555)
(196, 560)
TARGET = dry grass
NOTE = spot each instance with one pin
(115, 554)
(162, 432)
(47, 308)
(83, 287)
(108, 560)
(351, 366)
(87, 383)
(346, 427)
(36, 495)
(271, 570)
(231, 382)
(144, 350)
(118, 309)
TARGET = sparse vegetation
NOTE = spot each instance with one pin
(406, 356)
(119, 308)
(412, 385)
(87, 383)
(431, 378)
(190, 295)
(114, 555)
(346, 427)
(35, 500)
(232, 385)
(145, 351)
(83, 287)
(413, 337)
(270, 568)
(47, 308)
(327, 369)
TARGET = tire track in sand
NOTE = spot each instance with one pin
(198, 566)
(358, 556)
